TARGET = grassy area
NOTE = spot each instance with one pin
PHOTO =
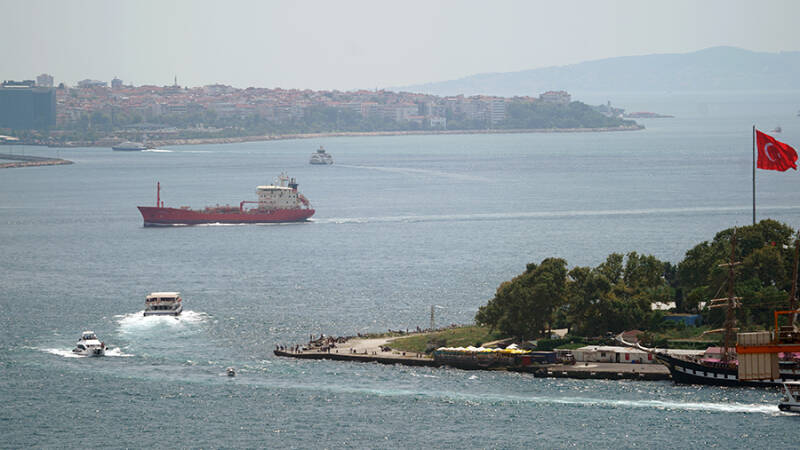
(454, 337)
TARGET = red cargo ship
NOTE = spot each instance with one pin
(279, 202)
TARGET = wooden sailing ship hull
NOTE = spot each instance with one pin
(688, 372)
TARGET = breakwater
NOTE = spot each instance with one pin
(29, 161)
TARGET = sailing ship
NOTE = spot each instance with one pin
(726, 370)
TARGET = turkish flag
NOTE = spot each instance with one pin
(773, 154)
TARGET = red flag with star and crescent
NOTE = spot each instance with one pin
(774, 154)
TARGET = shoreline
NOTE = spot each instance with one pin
(30, 161)
(334, 134)
(378, 350)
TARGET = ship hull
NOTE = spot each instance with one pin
(687, 372)
(154, 217)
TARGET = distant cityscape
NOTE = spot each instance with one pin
(100, 110)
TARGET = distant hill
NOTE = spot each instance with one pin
(716, 68)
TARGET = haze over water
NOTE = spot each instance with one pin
(402, 223)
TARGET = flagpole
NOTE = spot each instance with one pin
(754, 174)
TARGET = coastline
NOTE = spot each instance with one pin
(105, 142)
(379, 350)
(281, 137)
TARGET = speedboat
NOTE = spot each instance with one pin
(791, 397)
(320, 157)
(89, 345)
(230, 371)
(163, 304)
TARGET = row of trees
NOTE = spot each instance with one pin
(617, 294)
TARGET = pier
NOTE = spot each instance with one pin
(29, 161)
(378, 350)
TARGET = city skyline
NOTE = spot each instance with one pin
(362, 45)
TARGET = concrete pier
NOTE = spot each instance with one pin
(377, 351)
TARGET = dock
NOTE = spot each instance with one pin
(377, 350)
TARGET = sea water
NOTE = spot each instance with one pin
(402, 223)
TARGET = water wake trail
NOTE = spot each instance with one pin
(478, 399)
(137, 321)
(112, 352)
(426, 172)
(157, 150)
(551, 214)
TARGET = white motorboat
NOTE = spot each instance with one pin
(791, 397)
(163, 304)
(129, 146)
(320, 157)
(89, 345)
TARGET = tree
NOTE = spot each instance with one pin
(524, 307)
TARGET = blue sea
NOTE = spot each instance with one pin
(402, 223)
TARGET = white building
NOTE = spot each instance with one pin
(559, 97)
(497, 110)
(44, 80)
(612, 354)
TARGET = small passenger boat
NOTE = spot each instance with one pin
(89, 345)
(163, 304)
(791, 397)
(230, 371)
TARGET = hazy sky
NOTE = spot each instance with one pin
(362, 44)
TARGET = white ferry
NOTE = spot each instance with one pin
(321, 157)
(163, 304)
(129, 146)
(89, 345)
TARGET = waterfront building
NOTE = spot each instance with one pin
(497, 110)
(116, 83)
(24, 106)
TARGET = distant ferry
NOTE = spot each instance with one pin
(280, 202)
(163, 304)
(129, 146)
(777, 129)
(320, 157)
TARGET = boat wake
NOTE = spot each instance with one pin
(137, 321)
(473, 399)
(157, 150)
(113, 352)
(549, 214)
(425, 172)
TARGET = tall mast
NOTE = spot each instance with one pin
(730, 303)
(793, 294)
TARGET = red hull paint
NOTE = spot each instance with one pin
(154, 216)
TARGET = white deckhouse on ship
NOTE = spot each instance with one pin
(163, 304)
(320, 157)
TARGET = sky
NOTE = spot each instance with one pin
(349, 45)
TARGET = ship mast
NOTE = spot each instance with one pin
(793, 294)
(730, 303)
